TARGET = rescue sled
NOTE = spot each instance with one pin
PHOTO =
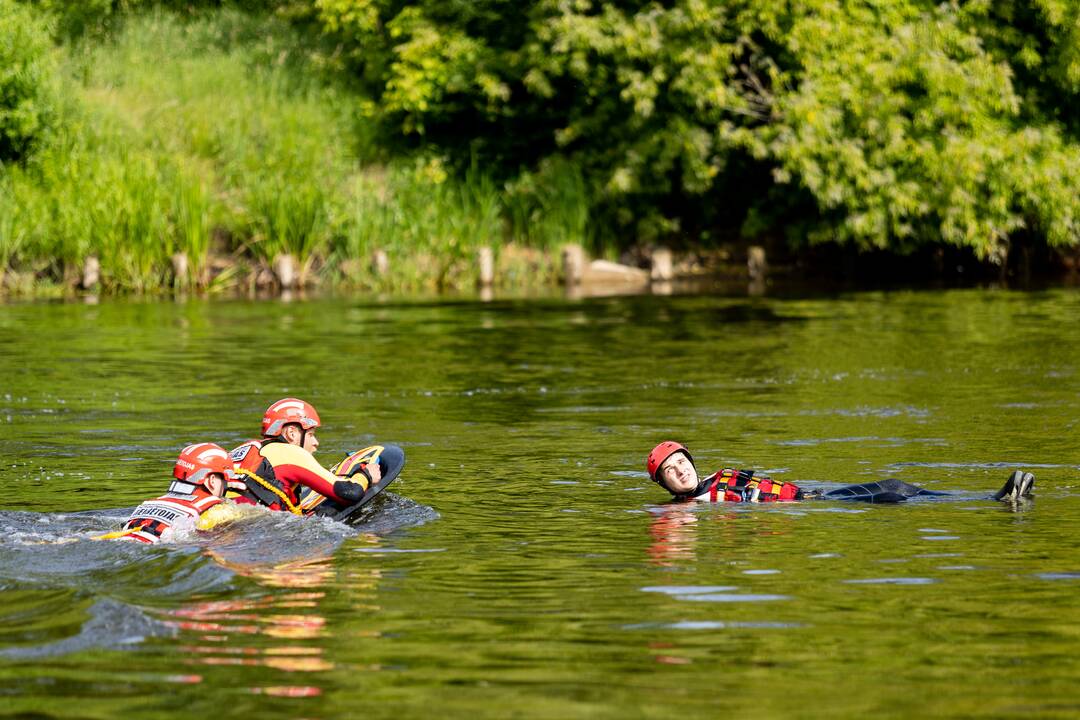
(391, 459)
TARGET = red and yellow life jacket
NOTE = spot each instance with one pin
(274, 473)
(730, 485)
(178, 509)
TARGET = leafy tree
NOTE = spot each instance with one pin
(904, 128)
(883, 123)
(1040, 40)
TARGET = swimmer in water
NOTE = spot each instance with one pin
(272, 471)
(201, 475)
(671, 467)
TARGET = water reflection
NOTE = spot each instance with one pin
(217, 623)
(673, 535)
(278, 630)
(674, 532)
(682, 536)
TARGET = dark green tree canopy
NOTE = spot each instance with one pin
(884, 123)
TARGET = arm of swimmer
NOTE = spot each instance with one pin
(223, 513)
(297, 465)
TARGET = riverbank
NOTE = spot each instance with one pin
(215, 154)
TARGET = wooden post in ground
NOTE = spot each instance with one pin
(757, 266)
(284, 267)
(573, 261)
(91, 274)
(180, 269)
(380, 263)
(485, 261)
(662, 268)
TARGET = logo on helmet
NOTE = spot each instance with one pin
(283, 405)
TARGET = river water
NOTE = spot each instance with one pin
(524, 565)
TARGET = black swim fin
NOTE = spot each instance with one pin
(1017, 487)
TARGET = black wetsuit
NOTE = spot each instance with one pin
(730, 485)
(885, 491)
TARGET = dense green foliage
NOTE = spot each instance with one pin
(216, 135)
(885, 123)
(27, 83)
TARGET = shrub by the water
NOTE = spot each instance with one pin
(92, 192)
(428, 223)
(27, 83)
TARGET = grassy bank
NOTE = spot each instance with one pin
(222, 138)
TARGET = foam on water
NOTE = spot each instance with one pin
(51, 559)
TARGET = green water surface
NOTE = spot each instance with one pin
(524, 566)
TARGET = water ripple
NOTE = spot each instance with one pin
(892, 581)
(733, 597)
(688, 589)
(112, 624)
(711, 625)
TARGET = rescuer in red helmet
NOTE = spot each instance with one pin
(271, 471)
(671, 467)
(201, 475)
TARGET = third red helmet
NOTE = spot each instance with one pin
(284, 412)
(197, 462)
(662, 452)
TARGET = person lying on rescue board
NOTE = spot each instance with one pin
(201, 475)
(272, 471)
(671, 467)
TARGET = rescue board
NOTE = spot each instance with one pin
(391, 459)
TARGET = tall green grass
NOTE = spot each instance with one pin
(221, 134)
(191, 219)
(550, 207)
(13, 230)
(94, 193)
(431, 226)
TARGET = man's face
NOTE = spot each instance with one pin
(678, 473)
(293, 433)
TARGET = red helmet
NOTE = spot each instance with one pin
(197, 462)
(662, 452)
(284, 412)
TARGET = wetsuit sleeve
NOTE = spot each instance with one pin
(349, 491)
(297, 465)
